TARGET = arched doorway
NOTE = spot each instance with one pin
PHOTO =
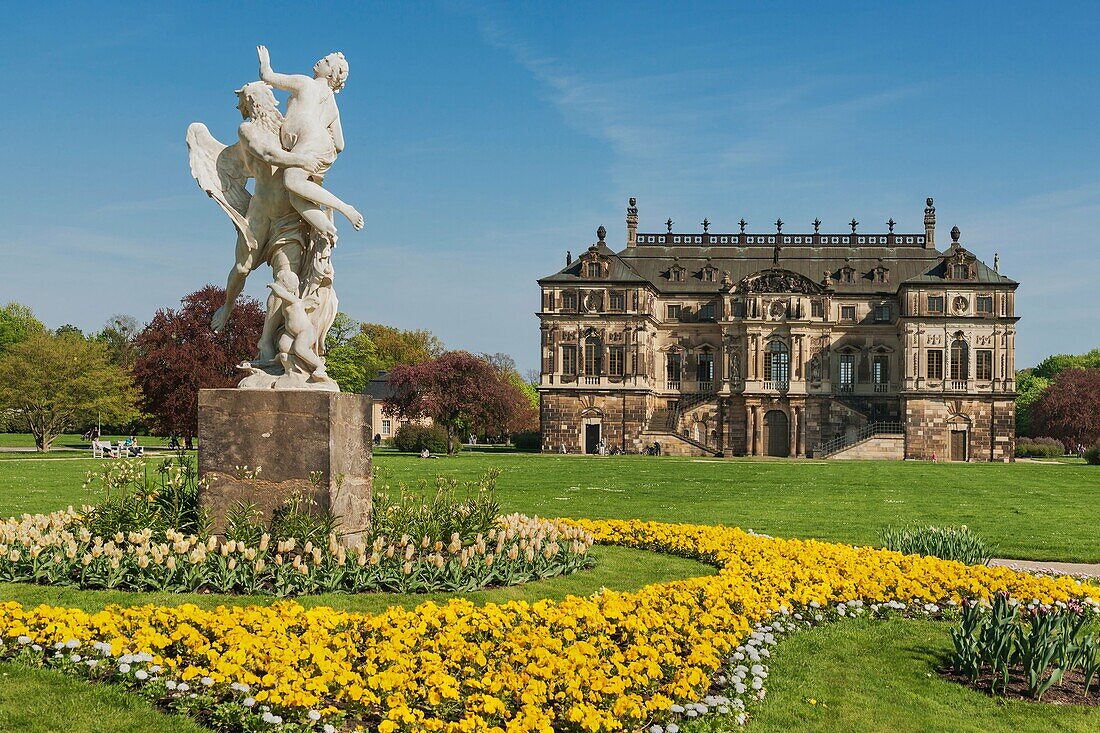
(778, 433)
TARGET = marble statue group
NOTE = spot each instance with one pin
(286, 222)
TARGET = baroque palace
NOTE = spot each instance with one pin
(780, 344)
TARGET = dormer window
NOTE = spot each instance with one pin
(880, 275)
(593, 269)
(847, 275)
(676, 274)
(960, 271)
(710, 274)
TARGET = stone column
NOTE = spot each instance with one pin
(796, 442)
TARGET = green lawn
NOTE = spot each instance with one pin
(881, 676)
(73, 440)
(1027, 510)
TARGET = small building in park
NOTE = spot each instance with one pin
(385, 426)
(844, 345)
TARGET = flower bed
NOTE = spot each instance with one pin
(613, 661)
(56, 549)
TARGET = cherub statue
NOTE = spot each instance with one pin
(299, 336)
(311, 128)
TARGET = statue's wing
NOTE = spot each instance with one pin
(221, 173)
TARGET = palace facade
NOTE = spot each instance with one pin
(781, 344)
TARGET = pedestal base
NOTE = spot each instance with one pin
(311, 442)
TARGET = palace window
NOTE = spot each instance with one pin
(817, 309)
(935, 364)
(616, 360)
(880, 369)
(592, 269)
(569, 359)
(847, 312)
(984, 304)
(777, 362)
(935, 304)
(882, 313)
(617, 300)
(847, 370)
(704, 368)
(569, 301)
(593, 356)
(960, 361)
(983, 364)
(706, 313)
(672, 311)
(673, 364)
(387, 426)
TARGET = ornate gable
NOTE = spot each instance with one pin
(776, 280)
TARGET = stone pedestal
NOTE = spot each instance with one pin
(314, 442)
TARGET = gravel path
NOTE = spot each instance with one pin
(1061, 568)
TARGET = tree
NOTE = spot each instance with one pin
(17, 323)
(51, 382)
(1052, 366)
(178, 354)
(1029, 388)
(118, 334)
(391, 346)
(358, 352)
(69, 330)
(1070, 408)
(458, 391)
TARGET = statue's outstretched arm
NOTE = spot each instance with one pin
(286, 82)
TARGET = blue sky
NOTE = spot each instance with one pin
(484, 140)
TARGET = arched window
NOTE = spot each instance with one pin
(777, 362)
(593, 356)
(960, 360)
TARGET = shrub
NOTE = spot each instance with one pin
(947, 543)
(1092, 455)
(1039, 448)
(530, 440)
(412, 438)
(135, 501)
(1039, 646)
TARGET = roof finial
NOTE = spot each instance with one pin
(778, 225)
(669, 225)
(817, 225)
(706, 224)
(632, 208)
(997, 262)
(568, 258)
(955, 233)
(891, 224)
(743, 224)
(854, 224)
(601, 233)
